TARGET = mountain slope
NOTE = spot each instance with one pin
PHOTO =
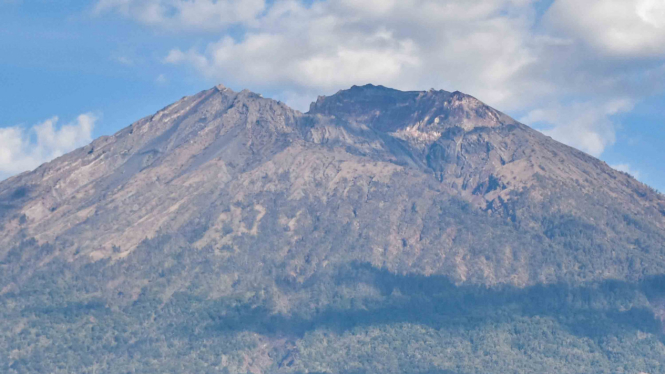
(230, 232)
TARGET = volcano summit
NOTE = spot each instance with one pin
(380, 232)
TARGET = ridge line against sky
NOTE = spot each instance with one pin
(591, 74)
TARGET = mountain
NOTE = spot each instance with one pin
(381, 232)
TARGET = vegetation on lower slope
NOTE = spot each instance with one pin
(366, 321)
(330, 305)
(229, 233)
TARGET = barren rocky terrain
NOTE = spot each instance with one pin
(381, 232)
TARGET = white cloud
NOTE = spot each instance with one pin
(590, 53)
(335, 62)
(652, 12)
(24, 149)
(587, 126)
(185, 14)
(478, 46)
(621, 27)
(626, 168)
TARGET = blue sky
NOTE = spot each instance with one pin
(589, 74)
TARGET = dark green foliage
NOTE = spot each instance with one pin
(364, 320)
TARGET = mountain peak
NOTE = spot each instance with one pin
(231, 233)
(389, 110)
(222, 88)
(204, 141)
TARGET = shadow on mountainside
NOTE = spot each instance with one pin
(593, 311)
(606, 321)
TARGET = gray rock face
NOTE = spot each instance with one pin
(160, 174)
(232, 198)
(389, 110)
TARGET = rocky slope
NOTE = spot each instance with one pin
(235, 233)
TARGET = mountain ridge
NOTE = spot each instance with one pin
(198, 129)
(381, 232)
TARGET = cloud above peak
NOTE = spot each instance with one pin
(573, 58)
(272, 59)
(473, 45)
(624, 28)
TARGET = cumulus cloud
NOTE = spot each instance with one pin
(473, 45)
(587, 126)
(566, 67)
(619, 27)
(335, 62)
(24, 149)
